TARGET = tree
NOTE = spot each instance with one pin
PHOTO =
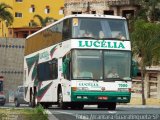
(149, 10)
(44, 21)
(146, 44)
(6, 15)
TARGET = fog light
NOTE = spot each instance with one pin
(125, 98)
(79, 97)
(119, 98)
(85, 97)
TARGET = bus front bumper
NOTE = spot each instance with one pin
(97, 96)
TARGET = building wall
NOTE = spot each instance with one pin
(117, 6)
(11, 63)
(24, 6)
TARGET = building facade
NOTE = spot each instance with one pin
(23, 12)
(11, 64)
(106, 7)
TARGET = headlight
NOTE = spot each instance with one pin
(123, 89)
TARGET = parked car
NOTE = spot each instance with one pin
(2, 95)
(2, 99)
(19, 96)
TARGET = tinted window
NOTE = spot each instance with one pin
(47, 70)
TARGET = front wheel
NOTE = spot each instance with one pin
(17, 104)
(77, 106)
(61, 104)
(112, 106)
(32, 100)
(102, 105)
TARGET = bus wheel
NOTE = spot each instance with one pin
(81, 106)
(44, 105)
(17, 103)
(102, 105)
(32, 100)
(61, 104)
(77, 106)
(112, 106)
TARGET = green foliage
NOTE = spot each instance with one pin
(43, 21)
(38, 113)
(6, 15)
(146, 41)
(149, 10)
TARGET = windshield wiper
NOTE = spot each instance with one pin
(83, 77)
(112, 39)
(84, 38)
(116, 79)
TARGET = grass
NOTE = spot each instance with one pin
(23, 114)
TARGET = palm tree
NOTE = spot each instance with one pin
(6, 15)
(146, 44)
(44, 21)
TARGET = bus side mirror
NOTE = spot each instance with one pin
(134, 69)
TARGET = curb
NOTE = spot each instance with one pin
(139, 106)
(50, 115)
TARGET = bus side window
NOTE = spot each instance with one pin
(66, 29)
(47, 70)
(53, 69)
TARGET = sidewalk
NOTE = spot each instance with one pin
(149, 101)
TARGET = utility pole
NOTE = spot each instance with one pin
(88, 8)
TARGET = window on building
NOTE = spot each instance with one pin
(61, 11)
(93, 12)
(47, 10)
(76, 12)
(19, 0)
(108, 12)
(128, 12)
(32, 9)
(18, 14)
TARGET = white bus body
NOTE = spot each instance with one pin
(50, 68)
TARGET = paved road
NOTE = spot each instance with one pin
(121, 113)
(12, 105)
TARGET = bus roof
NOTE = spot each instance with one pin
(78, 15)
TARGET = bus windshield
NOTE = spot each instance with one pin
(117, 64)
(96, 64)
(100, 28)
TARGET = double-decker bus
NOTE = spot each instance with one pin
(70, 63)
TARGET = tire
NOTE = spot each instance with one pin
(17, 104)
(32, 101)
(77, 107)
(61, 104)
(44, 105)
(102, 105)
(81, 106)
(112, 106)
